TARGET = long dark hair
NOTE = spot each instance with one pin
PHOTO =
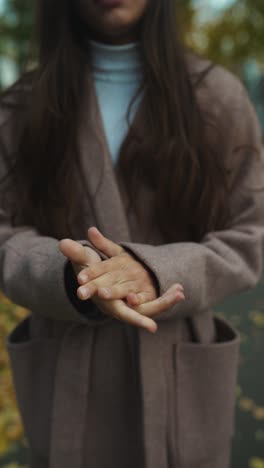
(169, 149)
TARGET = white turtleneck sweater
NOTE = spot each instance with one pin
(117, 74)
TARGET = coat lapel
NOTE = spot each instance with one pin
(102, 188)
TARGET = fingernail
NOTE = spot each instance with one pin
(84, 292)
(83, 277)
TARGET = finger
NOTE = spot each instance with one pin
(102, 243)
(92, 258)
(135, 298)
(105, 281)
(85, 292)
(118, 291)
(75, 251)
(96, 270)
(171, 297)
(146, 296)
(129, 315)
(119, 310)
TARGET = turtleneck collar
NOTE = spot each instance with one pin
(119, 63)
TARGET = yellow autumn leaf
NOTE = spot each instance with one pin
(257, 317)
(246, 404)
(256, 463)
(14, 465)
(11, 429)
(258, 412)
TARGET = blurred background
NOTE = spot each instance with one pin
(231, 32)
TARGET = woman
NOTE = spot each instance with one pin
(159, 153)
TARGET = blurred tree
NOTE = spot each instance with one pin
(230, 37)
(16, 43)
(233, 36)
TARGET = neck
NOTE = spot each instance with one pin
(119, 63)
(119, 39)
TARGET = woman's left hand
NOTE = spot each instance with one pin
(119, 277)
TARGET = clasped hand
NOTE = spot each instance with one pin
(121, 286)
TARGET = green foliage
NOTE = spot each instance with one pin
(236, 35)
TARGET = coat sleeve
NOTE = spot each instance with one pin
(226, 261)
(33, 271)
(33, 275)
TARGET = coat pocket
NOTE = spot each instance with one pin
(205, 383)
(33, 364)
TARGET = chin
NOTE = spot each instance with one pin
(112, 23)
(114, 26)
(118, 17)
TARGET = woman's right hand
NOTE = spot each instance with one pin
(83, 256)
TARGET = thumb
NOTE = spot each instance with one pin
(102, 243)
(78, 253)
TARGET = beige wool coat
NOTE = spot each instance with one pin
(104, 394)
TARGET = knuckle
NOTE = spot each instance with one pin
(95, 283)
(93, 286)
(90, 271)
